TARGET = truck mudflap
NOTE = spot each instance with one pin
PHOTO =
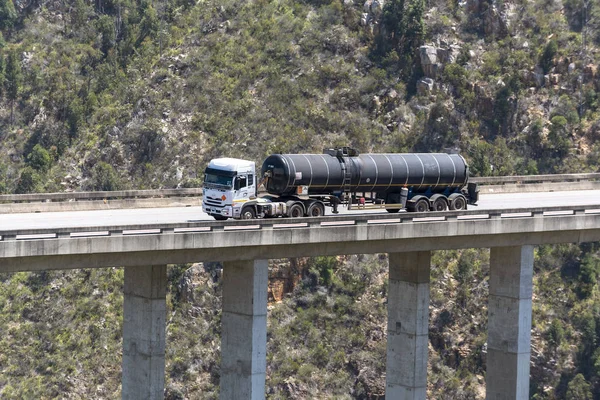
(473, 191)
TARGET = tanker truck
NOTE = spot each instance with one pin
(300, 185)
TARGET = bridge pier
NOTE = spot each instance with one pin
(509, 323)
(244, 330)
(408, 325)
(144, 326)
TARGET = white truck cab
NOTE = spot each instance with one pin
(228, 184)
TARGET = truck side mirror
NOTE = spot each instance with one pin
(236, 184)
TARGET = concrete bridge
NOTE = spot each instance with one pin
(245, 246)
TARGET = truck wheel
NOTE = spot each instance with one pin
(316, 209)
(439, 203)
(219, 217)
(295, 211)
(420, 204)
(458, 202)
(248, 213)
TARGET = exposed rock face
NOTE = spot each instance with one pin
(495, 21)
(448, 55)
(429, 60)
(434, 58)
(532, 78)
(370, 17)
(590, 72)
(551, 79)
(198, 275)
(564, 65)
(425, 86)
(373, 6)
(485, 101)
(284, 275)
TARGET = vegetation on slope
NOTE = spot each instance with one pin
(154, 90)
(135, 94)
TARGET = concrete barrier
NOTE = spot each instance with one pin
(186, 197)
(539, 187)
(90, 205)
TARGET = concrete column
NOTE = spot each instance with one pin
(244, 330)
(509, 323)
(144, 323)
(408, 326)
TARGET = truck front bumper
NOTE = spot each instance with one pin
(225, 211)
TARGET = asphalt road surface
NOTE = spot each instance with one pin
(187, 214)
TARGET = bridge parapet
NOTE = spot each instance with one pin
(73, 201)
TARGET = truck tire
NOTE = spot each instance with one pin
(438, 202)
(296, 210)
(457, 201)
(419, 204)
(248, 213)
(315, 209)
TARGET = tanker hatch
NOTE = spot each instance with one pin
(341, 152)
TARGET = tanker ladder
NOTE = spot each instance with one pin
(347, 182)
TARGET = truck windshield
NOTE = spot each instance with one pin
(211, 179)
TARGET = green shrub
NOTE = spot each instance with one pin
(104, 178)
(579, 389)
(39, 159)
(547, 58)
(29, 181)
(556, 333)
(588, 275)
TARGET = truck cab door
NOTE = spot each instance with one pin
(241, 187)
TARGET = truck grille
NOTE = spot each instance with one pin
(213, 202)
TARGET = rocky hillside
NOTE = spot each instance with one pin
(138, 94)
(116, 94)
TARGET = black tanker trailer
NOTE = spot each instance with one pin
(303, 184)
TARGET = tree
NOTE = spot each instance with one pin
(579, 389)
(547, 59)
(8, 14)
(79, 14)
(29, 181)
(149, 24)
(104, 177)
(415, 26)
(392, 20)
(3, 174)
(106, 26)
(39, 158)
(588, 275)
(75, 117)
(556, 333)
(558, 137)
(404, 30)
(13, 81)
(2, 74)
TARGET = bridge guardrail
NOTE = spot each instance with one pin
(118, 194)
(197, 192)
(514, 179)
(286, 223)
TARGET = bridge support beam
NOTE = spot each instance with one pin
(244, 330)
(408, 325)
(144, 326)
(509, 323)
